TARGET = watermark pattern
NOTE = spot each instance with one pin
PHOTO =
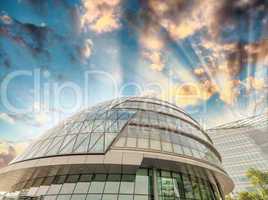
(51, 97)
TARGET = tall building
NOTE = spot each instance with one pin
(126, 149)
(243, 144)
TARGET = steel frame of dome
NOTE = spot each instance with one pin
(125, 135)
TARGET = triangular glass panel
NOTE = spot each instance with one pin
(32, 150)
(87, 126)
(136, 118)
(113, 115)
(101, 115)
(107, 125)
(99, 126)
(98, 147)
(63, 130)
(68, 143)
(94, 139)
(43, 148)
(75, 128)
(113, 126)
(126, 114)
(54, 147)
(82, 143)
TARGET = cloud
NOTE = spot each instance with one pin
(86, 50)
(28, 36)
(106, 23)
(226, 63)
(9, 150)
(190, 93)
(101, 16)
(39, 42)
(182, 18)
(6, 19)
(228, 92)
(7, 118)
(254, 83)
(153, 45)
(156, 59)
(258, 52)
(151, 39)
(199, 71)
(37, 119)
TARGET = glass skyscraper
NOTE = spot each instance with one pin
(133, 148)
(243, 144)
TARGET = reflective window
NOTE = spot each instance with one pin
(94, 129)
(191, 183)
(67, 188)
(81, 187)
(94, 197)
(83, 133)
(96, 187)
(78, 197)
(112, 184)
(188, 188)
(51, 197)
(142, 182)
(54, 189)
(64, 197)
(154, 139)
(125, 197)
(109, 197)
(127, 184)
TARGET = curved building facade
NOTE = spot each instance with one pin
(243, 145)
(133, 148)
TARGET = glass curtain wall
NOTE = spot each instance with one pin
(139, 186)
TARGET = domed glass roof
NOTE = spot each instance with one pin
(134, 122)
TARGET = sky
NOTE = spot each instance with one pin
(61, 56)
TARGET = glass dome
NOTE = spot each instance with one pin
(126, 123)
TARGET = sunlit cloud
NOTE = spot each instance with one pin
(105, 23)
(156, 60)
(254, 83)
(259, 50)
(199, 71)
(152, 47)
(8, 151)
(190, 93)
(101, 16)
(228, 92)
(183, 18)
(151, 39)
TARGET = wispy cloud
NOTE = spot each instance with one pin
(7, 118)
(153, 47)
